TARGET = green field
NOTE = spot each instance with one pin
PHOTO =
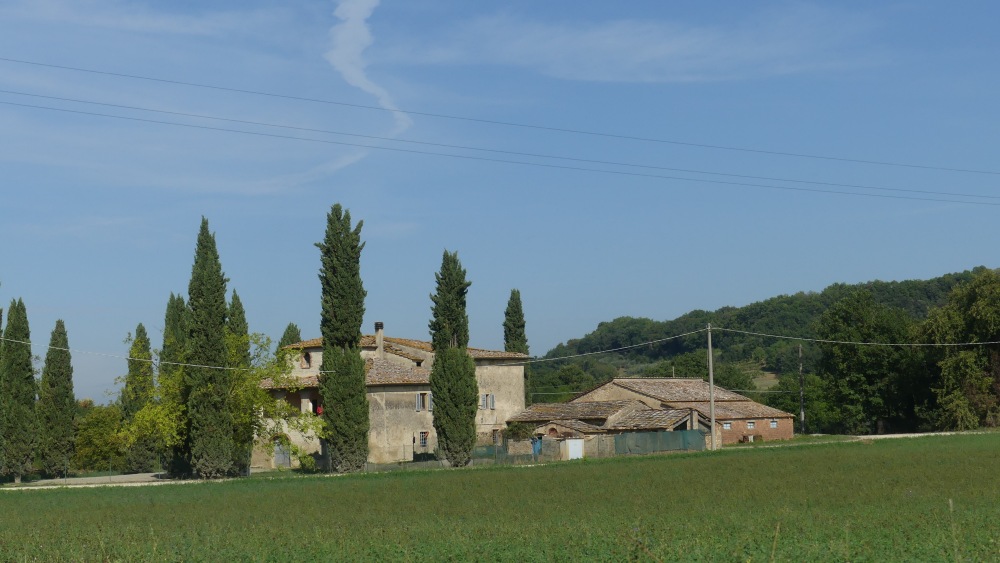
(924, 499)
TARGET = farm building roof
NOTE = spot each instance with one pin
(395, 346)
(377, 372)
(598, 410)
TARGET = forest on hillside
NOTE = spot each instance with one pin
(904, 392)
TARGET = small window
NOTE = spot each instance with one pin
(306, 361)
(727, 425)
(496, 436)
(484, 401)
(751, 424)
(421, 401)
(774, 424)
(423, 439)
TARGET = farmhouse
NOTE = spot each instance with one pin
(399, 395)
(739, 418)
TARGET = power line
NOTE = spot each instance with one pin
(507, 161)
(497, 151)
(847, 342)
(506, 123)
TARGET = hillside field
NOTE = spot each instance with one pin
(930, 498)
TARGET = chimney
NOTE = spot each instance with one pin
(379, 341)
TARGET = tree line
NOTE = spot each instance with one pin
(847, 388)
(197, 406)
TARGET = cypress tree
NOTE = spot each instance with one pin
(238, 341)
(170, 377)
(2, 346)
(292, 335)
(453, 374)
(515, 339)
(56, 406)
(136, 394)
(17, 392)
(449, 323)
(210, 423)
(239, 331)
(342, 374)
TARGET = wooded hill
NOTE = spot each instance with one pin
(739, 358)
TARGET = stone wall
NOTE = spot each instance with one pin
(761, 429)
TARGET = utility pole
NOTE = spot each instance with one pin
(711, 388)
(802, 397)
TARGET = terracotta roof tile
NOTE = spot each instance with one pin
(650, 419)
(733, 409)
(368, 341)
(377, 372)
(545, 412)
(578, 425)
(668, 389)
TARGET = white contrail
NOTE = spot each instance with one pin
(350, 38)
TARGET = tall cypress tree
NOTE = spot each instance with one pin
(449, 323)
(238, 341)
(17, 392)
(210, 422)
(2, 346)
(342, 374)
(292, 335)
(56, 406)
(136, 394)
(239, 331)
(453, 374)
(170, 378)
(515, 339)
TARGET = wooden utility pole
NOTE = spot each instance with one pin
(711, 388)
(802, 397)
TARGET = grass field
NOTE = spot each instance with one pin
(924, 499)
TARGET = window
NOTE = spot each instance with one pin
(421, 401)
(487, 401)
(306, 361)
(751, 424)
(496, 436)
(423, 439)
(774, 424)
(727, 425)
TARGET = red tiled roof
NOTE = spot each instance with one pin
(368, 341)
(734, 409)
(651, 419)
(377, 372)
(669, 389)
(545, 412)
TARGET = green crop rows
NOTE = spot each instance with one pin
(935, 498)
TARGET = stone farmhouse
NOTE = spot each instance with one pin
(738, 418)
(598, 422)
(399, 395)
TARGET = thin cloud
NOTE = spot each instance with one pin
(128, 16)
(794, 40)
(350, 38)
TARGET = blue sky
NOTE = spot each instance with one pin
(99, 215)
